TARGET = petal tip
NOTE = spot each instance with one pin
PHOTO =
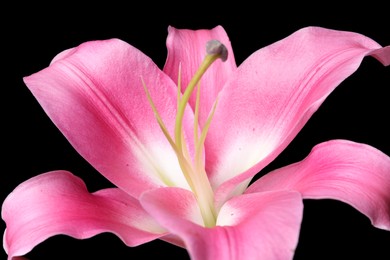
(382, 55)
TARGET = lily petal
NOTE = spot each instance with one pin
(187, 49)
(354, 173)
(273, 94)
(252, 226)
(94, 94)
(59, 203)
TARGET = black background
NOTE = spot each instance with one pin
(357, 110)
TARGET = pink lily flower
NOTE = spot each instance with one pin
(182, 144)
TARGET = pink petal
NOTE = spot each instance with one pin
(253, 226)
(273, 94)
(59, 203)
(187, 48)
(94, 95)
(354, 173)
(383, 55)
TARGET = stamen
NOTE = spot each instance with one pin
(185, 148)
(181, 157)
(185, 151)
(207, 195)
(196, 116)
(179, 86)
(158, 117)
(203, 135)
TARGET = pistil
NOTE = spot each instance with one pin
(193, 169)
(208, 60)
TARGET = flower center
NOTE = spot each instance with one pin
(193, 169)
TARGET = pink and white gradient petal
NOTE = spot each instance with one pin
(271, 96)
(58, 203)
(187, 49)
(252, 226)
(94, 94)
(354, 173)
